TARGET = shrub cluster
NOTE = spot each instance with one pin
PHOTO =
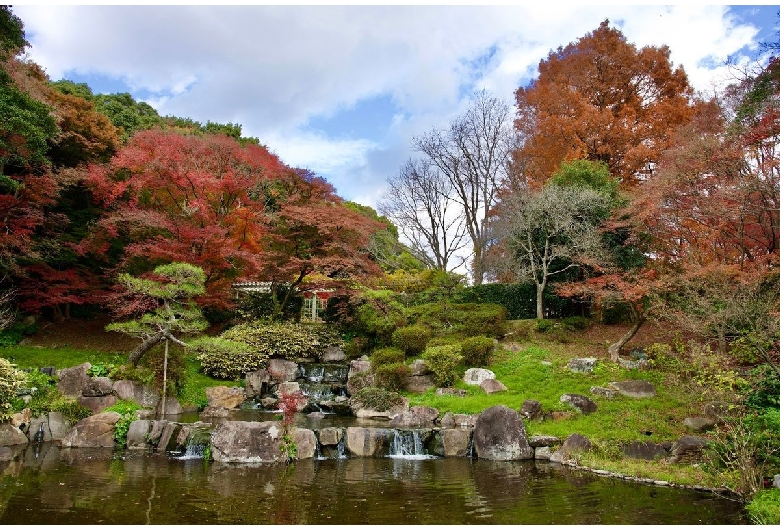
(375, 399)
(443, 361)
(477, 351)
(412, 339)
(228, 359)
(384, 356)
(11, 380)
(465, 319)
(389, 370)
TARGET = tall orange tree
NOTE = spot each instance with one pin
(601, 99)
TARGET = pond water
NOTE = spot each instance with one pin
(51, 485)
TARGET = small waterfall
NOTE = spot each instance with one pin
(408, 445)
(195, 445)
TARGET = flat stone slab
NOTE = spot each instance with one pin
(492, 386)
(582, 403)
(699, 424)
(644, 450)
(475, 376)
(583, 365)
(635, 388)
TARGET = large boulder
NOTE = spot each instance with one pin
(331, 436)
(699, 424)
(360, 412)
(416, 417)
(282, 370)
(456, 442)
(138, 434)
(644, 450)
(229, 397)
(419, 384)
(73, 380)
(98, 387)
(172, 407)
(475, 376)
(257, 383)
(95, 431)
(10, 435)
(636, 388)
(247, 442)
(572, 445)
(419, 367)
(582, 403)
(333, 354)
(359, 366)
(368, 441)
(531, 409)
(97, 403)
(584, 365)
(55, 426)
(688, 450)
(492, 386)
(144, 395)
(305, 442)
(499, 434)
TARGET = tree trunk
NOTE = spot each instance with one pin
(614, 349)
(148, 343)
(540, 301)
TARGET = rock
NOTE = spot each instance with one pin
(287, 388)
(419, 367)
(172, 407)
(416, 417)
(389, 414)
(456, 442)
(542, 453)
(531, 409)
(699, 424)
(419, 384)
(330, 436)
(583, 365)
(605, 392)
(633, 365)
(229, 397)
(359, 366)
(582, 403)
(269, 403)
(475, 376)
(644, 451)
(499, 434)
(247, 442)
(557, 415)
(368, 441)
(717, 410)
(10, 435)
(95, 431)
(333, 354)
(257, 383)
(97, 404)
(776, 482)
(306, 443)
(55, 426)
(157, 427)
(636, 388)
(459, 392)
(447, 421)
(465, 420)
(138, 433)
(98, 387)
(572, 445)
(22, 418)
(688, 450)
(492, 386)
(144, 395)
(282, 370)
(73, 380)
(167, 441)
(543, 441)
(316, 415)
(211, 411)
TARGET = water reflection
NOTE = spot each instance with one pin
(78, 486)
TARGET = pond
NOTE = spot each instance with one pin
(52, 485)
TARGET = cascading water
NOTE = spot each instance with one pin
(408, 445)
(195, 446)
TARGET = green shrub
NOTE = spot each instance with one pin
(359, 381)
(45, 393)
(11, 380)
(477, 351)
(544, 325)
(128, 372)
(765, 507)
(99, 370)
(391, 377)
(71, 409)
(355, 347)
(412, 339)
(384, 356)
(443, 360)
(228, 359)
(575, 323)
(467, 320)
(376, 399)
(15, 333)
(127, 409)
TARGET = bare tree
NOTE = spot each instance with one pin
(419, 201)
(546, 233)
(473, 155)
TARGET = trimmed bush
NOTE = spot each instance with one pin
(481, 319)
(384, 356)
(544, 325)
(412, 339)
(477, 351)
(575, 323)
(228, 359)
(11, 380)
(376, 399)
(391, 377)
(443, 361)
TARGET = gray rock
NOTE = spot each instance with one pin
(605, 392)
(447, 421)
(531, 409)
(98, 387)
(717, 410)
(10, 435)
(211, 411)
(543, 441)
(282, 370)
(465, 420)
(331, 436)
(98, 403)
(419, 384)
(156, 430)
(229, 397)
(644, 450)
(572, 445)
(144, 395)
(55, 426)
(360, 412)
(257, 383)
(167, 441)
(582, 403)
(358, 366)
(288, 388)
(247, 442)
(584, 365)
(459, 392)
(333, 354)
(776, 482)
(699, 424)
(138, 434)
(636, 388)
(368, 441)
(305, 442)
(95, 431)
(456, 442)
(499, 434)
(416, 417)
(492, 386)
(316, 415)
(73, 380)
(172, 407)
(688, 450)
(633, 365)
(542, 453)
(419, 367)
(475, 376)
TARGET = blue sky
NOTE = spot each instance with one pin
(342, 90)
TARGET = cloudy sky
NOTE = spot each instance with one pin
(341, 90)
